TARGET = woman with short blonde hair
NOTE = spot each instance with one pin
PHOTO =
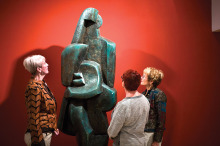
(40, 104)
(155, 126)
(154, 75)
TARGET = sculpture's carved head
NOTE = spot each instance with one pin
(88, 25)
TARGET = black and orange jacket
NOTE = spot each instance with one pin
(41, 110)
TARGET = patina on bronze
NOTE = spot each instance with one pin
(88, 72)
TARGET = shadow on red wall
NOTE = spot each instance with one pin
(217, 36)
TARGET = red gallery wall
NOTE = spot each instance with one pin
(172, 35)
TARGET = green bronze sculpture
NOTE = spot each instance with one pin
(88, 72)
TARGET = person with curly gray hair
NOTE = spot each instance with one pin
(40, 103)
(155, 126)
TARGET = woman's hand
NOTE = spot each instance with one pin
(57, 131)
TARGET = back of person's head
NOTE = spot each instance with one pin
(154, 75)
(132, 80)
(32, 62)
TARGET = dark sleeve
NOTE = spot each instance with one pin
(160, 107)
(33, 107)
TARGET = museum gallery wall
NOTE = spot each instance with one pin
(174, 36)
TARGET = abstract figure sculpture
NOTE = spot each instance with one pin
(88, 71)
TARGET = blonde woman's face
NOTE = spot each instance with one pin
(144, 81)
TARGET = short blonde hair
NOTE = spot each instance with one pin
(154, 75)
(32, 62)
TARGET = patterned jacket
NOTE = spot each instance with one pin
(41, 110)
(157, 114)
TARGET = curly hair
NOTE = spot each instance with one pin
(154, 75)
(132, 79)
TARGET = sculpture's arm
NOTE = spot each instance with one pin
(71, 58)
(92, 75)
(110, 60)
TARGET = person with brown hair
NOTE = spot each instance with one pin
(131, 114)
(155, 126)
(40, 103)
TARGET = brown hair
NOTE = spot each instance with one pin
(132, 79)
